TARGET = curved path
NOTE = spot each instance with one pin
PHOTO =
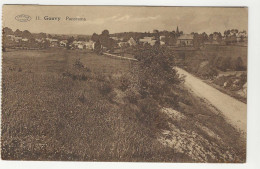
(234, 110)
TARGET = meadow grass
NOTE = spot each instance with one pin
(75, 105)
(55, 109)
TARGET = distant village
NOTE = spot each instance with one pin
(110, 42)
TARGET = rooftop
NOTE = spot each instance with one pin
(186, 36)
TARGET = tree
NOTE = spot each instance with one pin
(7, 31)
(97, 47)
(156, 34)
(27, 34)
(156, 75)
(46, 44)
(223, 63)
(157, 43)
(18, 33)
(94, 37)
(106, 41)
(155, 31)
(41, 35)
(70, 41)
(197, 40)
(238, 64)
(105, 33)
(204, 36)
(227, 33)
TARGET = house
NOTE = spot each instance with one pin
(25, 40)
(15, 38)
(11, 37)
(115, 38)
(63, 43)
(162, 40)
(132, 42)
(148, 40)
(185, 40)
(89, 44)
(39, 40)
(123, 44)
(162, 43)
(53, 42)
(83, 44)
(78, 44)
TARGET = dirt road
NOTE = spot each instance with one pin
(234, 110)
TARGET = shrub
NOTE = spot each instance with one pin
(78, 64)
(151, 115)
(105, 88)
(132, 95)
(124, 83)
(238, 64)
(82, 98)
(156, 74)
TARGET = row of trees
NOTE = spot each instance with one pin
(27, 34)
(104, 40)
(170, 36)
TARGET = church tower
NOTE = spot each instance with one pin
(177, 31)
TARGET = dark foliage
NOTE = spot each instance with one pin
(157, 75)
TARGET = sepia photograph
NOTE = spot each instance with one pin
(124, 83)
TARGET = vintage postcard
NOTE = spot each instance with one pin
(124, 83)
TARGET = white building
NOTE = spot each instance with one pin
(132, 42)
(185, 40)
(63, 43)
(123, 44)
(89, 44)
(25, 40)
(149, 40)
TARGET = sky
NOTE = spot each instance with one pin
(125, 19)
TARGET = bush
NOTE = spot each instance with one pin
(132, 95)
(150, 114)
(105, 88)
(78, 64)
(156, 74)
(156, 77)
(238, 64)
(124, 83)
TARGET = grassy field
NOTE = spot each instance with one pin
(71, 105)
(227, 51)
(50, 111)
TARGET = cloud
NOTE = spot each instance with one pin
(97, 21)
(100, 21)
(145, 19)
(123, 18)
(118, 18)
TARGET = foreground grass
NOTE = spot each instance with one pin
(55, 109)
(75, 105)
